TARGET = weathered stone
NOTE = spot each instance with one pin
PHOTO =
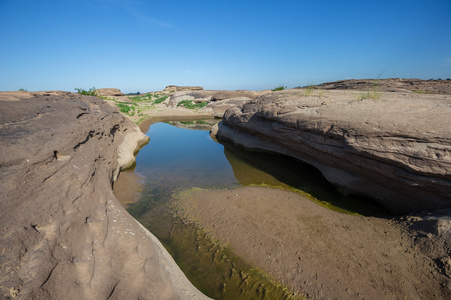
(391, 85)
(109, 92)
(211, 95)
(63, 233)
(396, 149)
(176, 88)
(220, 107)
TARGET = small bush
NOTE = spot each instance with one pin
(90, 92)
(161, 99)
(191, 105)
(22, 90)
(126, 108)
(370, 95)
(279, 88)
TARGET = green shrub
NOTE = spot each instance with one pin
(126, 108)
(370, 95)
(22, 90)
(146, 97)
(161, 99)
(191, 105)
(90, 92)
(279, 88)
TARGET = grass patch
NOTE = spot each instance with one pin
(160, 100)
(308, 89)
(370, 95)
(374, 93)
(419, 91)
(191, 105)
(91, 92)
(279, 88)
(143, 98)
(126, 108)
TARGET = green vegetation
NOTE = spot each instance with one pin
(90, 92)
(279, 88)
(419, 91)
(127, 107)
(22, 90)
(140, 98)
(370, 95)
(191, 105)
(218, 272)
(308, 89)
(160, 100)
(107, 98)
(374, 93)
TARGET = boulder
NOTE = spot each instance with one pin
(220, 107)
(395, 149)
(63, 233)
(109, 92)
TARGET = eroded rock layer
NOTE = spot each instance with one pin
(63, 234)
(395, 148)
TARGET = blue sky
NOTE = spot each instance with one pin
(138, 45)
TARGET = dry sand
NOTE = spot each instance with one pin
(321, 253)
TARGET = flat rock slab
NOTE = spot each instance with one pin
(321, 253)
(395, 148)
(391, 85)
(63, 234)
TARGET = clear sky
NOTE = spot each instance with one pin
(138, 45)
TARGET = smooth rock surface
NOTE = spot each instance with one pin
(63, 234)
(176, 88)
(212, 95)
(395, 149)
(109, 92)
(391, 85)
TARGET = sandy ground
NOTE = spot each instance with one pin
(321, 253)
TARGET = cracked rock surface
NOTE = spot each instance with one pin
(63, 234)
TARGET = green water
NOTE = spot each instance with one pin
(177, 159)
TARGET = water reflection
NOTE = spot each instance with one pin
(177, 159)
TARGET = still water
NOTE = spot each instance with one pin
(182, 155)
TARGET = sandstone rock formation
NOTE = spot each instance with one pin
(212, 95)
(220, 107)
(176, 88)
(63, 234)
(109, 92)
(391, 85)
(396, 149)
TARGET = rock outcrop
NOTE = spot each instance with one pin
(109, 92)
(212, 95)
(176, 88)
(395, 149)
(391, 85)
(63, 234)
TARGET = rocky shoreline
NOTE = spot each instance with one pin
(395, 149)
(319, 253)
(63, 233)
